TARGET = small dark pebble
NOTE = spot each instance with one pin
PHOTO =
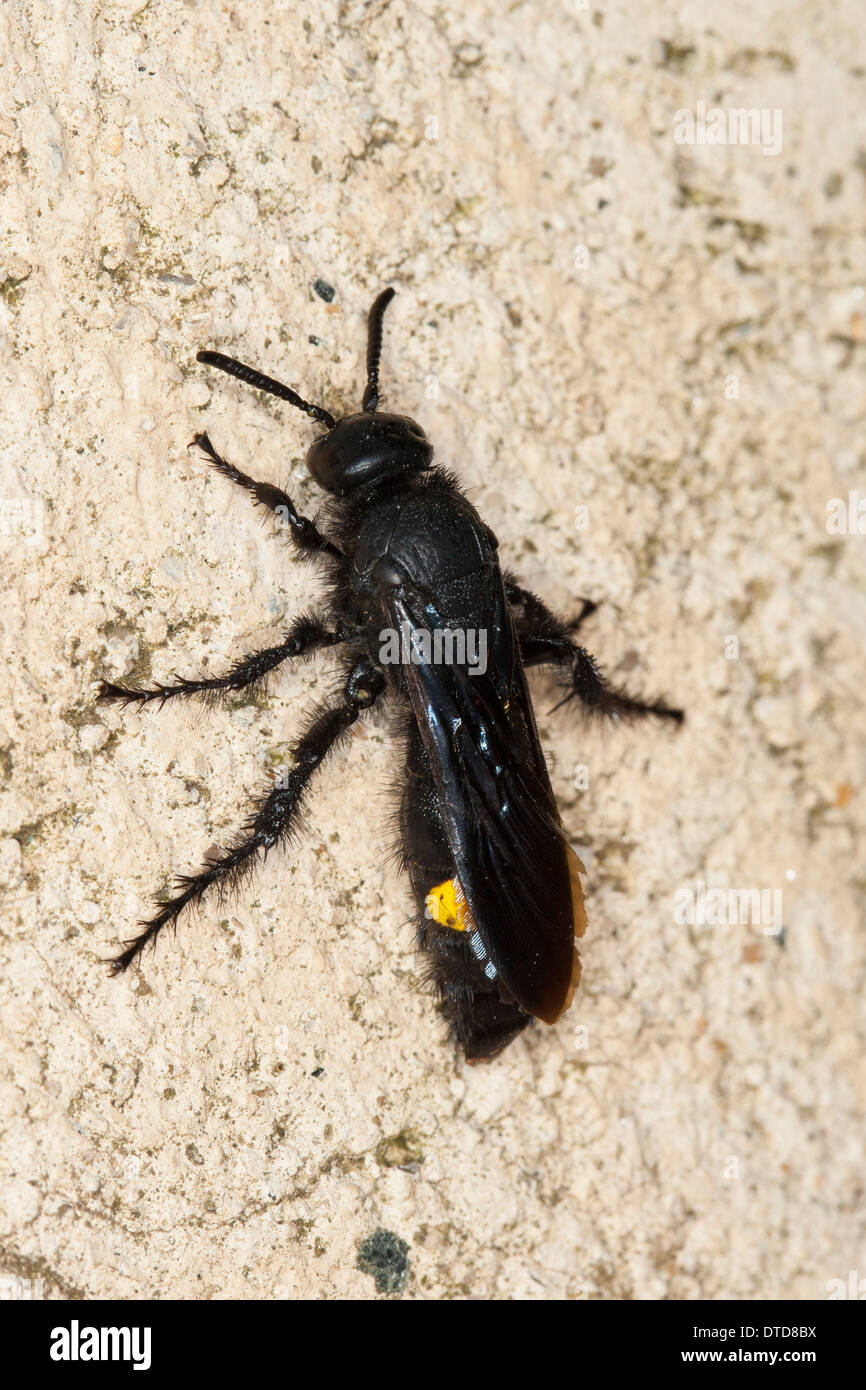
(386, 1257)
(324, 290)
(320, 1071)
(314, 340)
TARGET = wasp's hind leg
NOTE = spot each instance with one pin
(545, 640)
(307, 634)
(276, 813)
(304, 532)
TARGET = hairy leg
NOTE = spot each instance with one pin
(586, 684)
(304, 532)
(307, 634)
(276, 813)
(545, 640)
(535, 615)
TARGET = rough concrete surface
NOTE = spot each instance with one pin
(658, 421)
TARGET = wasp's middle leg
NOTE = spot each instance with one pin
(545, 640)
(307, 634)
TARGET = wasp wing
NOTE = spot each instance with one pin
(513, 862)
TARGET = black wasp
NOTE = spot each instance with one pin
(409, 559)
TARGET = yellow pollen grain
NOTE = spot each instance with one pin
(446, 905)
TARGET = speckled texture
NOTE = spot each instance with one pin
(273, 1088)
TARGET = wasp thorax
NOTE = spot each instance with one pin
(367, 448)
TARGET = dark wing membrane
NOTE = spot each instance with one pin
(497, 807)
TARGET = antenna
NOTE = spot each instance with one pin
(374, 348)
(251, 377)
